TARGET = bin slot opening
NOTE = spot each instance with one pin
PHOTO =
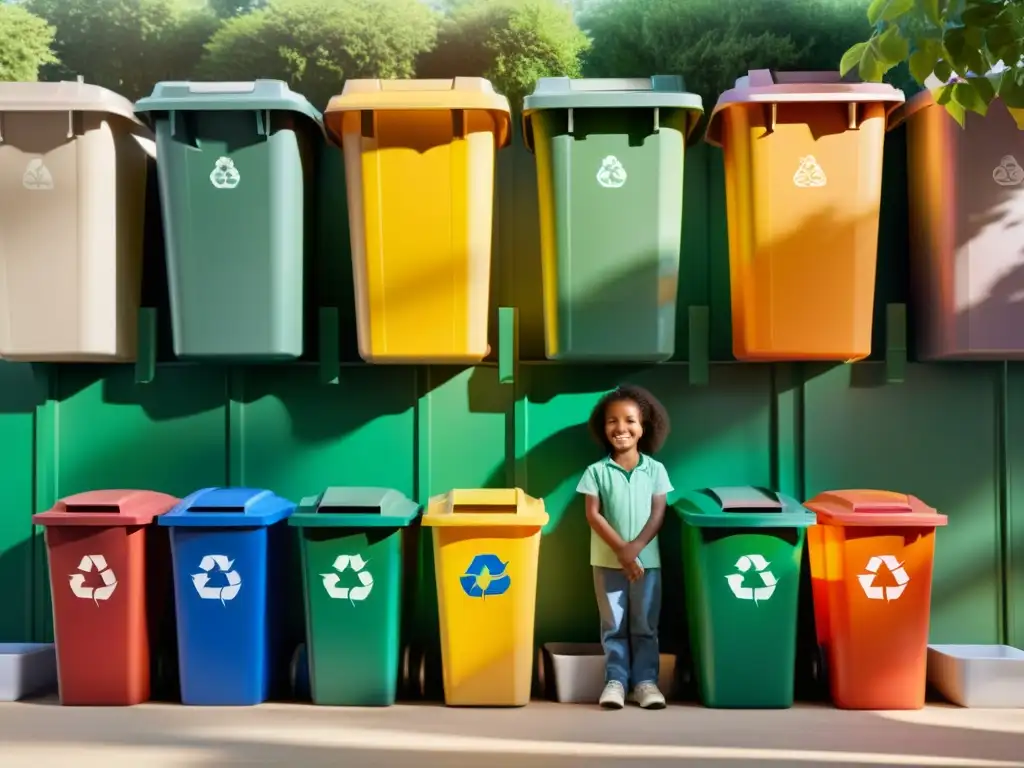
(106, 509)
(805, 78)
(487, 509)
(334, 509)
(236, 508)
(881, 508)
(753, 501)
(222, 87)
(625, 84)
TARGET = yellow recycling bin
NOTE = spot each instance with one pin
(486, 546)
(419, 173)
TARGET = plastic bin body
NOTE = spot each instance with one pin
(966, 203)
(419, 170)
(803, 177)
(97, 545)
(226, 546)
(73, 164)
(610, 185)
(486, 548)
(351, 543)
(871, 560)
(235, 172)
(741, 551)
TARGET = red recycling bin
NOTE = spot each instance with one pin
(97, 543)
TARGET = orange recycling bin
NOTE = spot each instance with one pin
(871, 557)
(419, 174)
(803, 180)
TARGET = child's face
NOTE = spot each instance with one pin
(623, 425)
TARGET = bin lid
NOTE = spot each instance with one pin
(874, 508)
(108, 509)
(765, 86)
(466, 93)
(479, 507)
(742, 507)
(192, 96)
(229, 508)
(355, 507)
(65, 96)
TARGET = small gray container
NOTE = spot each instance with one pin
(982, 676)
(27, 669)
(579, 672)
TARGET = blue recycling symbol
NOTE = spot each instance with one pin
(486, 577)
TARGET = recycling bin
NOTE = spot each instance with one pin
(486, 547)
(871, 558)
(105, 590)
(419, 172)
(73, 164)
(803, 183)
(235, 173)
(609, 156)
(965, 190)
(741, 552)
(351, 543)
(228, 546)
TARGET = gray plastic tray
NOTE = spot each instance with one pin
(579, 672)
(27, 669)
(984, 676)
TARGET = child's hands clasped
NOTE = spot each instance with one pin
(629, 559)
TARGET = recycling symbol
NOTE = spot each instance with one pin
(37, 175)
(88, 564)
(486, 577)
(201, 580)
(224, 174)
(352, 594)
(743, 566)
(611, 174)
(809, 174)
(899, 575)
(1008, 173)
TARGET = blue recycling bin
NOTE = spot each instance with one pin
(229, 551)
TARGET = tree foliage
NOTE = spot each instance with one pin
(225, 9)
(972, 48)
(315, 45)
(125, 45)
(25, 44)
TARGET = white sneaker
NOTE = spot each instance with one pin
(613, 696)
(648, 696)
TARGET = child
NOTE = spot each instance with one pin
(625, 498)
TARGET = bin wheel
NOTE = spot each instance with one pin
(541, 682)
(405, 667)
(423, 676)
(820, 671)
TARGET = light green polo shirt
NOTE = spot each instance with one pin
(626, 504)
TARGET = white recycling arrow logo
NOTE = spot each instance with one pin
(352, 594)
(88, 564)
(899, 575)
(757, 594)
(201, 580)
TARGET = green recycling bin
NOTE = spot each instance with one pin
(235, 166)
(351, 543)
(742, 549)
(609, 156)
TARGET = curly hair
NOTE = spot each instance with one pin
(654, 418)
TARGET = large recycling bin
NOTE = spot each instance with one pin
(610, 185)
(803, 182)
(966, 191)
(351, 543)
(235, 171)
(229, 551)
(486, 548)
(871, 560)
(104, 584)
(73, 163)
(742, 549)
(419, 169)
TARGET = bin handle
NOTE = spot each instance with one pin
(657, 119)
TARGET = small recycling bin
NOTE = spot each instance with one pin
(351, 543)
(871, 560)
(803, 182)
(486, 547)
(966, 194)
(228, 550)
(73, 164)
(742, 549)
(235, 172)
(610, 185)
(103, 591)
(419, 165)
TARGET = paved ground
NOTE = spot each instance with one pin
(43, 734)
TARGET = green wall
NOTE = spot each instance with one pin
(951, 434)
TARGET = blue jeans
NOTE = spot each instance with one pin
(629, 624)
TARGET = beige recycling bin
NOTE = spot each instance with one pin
(73, 163)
